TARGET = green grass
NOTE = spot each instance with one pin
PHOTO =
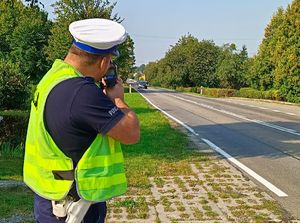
(11, 168)
(162, 150)
(7, 150)
(19, 113)
(15, 201)
(136, 208)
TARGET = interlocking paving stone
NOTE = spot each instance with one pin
(11, 183)
(213, 192)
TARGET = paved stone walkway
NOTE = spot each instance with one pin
(214, 192)
(11, 183)
(18, 219)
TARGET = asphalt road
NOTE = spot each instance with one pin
(265, 137)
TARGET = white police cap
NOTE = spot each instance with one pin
(98, 36)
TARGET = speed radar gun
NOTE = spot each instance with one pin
(110, 77)
(73, 210)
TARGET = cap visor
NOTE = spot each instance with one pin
(115, 52)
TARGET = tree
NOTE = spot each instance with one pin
(23, 36)
(28, 42)
(151, 73)
(203, 64)
(126, 60)
(14, 90)
(288, 68)
(9, 16)
(263, 70)
(178, 60)
(141, 68)
(189, 63)
(232, 67)
(68, 11)
(34, 3)
(277, 64)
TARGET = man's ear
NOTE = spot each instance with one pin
(102, 65)
(105, 61)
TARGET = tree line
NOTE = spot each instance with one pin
(30, 42)
(194, 63)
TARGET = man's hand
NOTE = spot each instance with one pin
(127, 130)
(116, 92)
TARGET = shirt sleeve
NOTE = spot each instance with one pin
(93, 110)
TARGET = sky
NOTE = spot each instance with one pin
(156, 25)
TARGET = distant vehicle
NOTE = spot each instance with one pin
(142, 84)
(131, 81)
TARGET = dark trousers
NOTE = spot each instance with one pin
(43, 212)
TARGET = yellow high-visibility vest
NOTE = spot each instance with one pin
(99, 174)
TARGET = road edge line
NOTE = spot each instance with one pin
(277, 127)
(170, 116)
(260, 179)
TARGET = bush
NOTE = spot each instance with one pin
(273, 95)
(14, 90)
(218, 92)
(253, 93)
(243, 92)
(293, 99)
(249, 93)
(187, 89)
(292, 93)
(213, 92)
(13, 129)
(179, 89)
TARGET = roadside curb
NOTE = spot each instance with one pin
(18, 219)
(11, 183)
(265, 100)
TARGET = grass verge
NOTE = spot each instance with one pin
(162, 150)
(11, 168)
(15, 201)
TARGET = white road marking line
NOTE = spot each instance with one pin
(280, 128)
(289, 113)
(172, 117)
(263, 108)
(260, 179)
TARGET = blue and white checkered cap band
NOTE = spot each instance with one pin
(89, 49)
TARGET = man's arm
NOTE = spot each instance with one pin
(127, 130)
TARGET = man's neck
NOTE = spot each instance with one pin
(87, 71)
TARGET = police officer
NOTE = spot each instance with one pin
(75, 128)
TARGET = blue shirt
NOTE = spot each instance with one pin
(76, 111)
